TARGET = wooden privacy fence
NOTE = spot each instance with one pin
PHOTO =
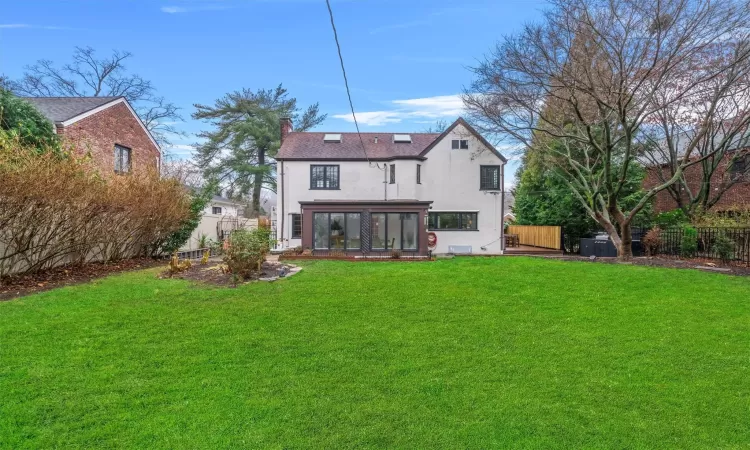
(537, 235)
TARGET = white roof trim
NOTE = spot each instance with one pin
(114, 102)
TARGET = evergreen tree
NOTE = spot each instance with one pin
(246, 137)
(20, 118)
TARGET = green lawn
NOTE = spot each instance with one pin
(458, 353)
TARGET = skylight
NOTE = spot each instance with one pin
(332, 137)
(404, 138)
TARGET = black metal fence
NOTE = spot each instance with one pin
(706, 242)
(672, 238)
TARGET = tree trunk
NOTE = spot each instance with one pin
(625, 248)
(258, 182)
(623, 241)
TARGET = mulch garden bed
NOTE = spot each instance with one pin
(213, 273)
(703, 264)
(17, 286)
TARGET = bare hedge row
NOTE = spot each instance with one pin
(57, 209)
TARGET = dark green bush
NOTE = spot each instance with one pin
(672, 218)
(724, 247)
(689, 243)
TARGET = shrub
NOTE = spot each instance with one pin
(176, 266)
(724, 247)
(179, 237)
(652, 241)
(670, 219)
(739, 217)
(395, 254)
(689, 242)
(246, 251)
(57, 209)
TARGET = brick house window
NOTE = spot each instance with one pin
(122, 159)
(740, 169)
(324, 177)
(460, 144)
(489, 178)
(296, 226)
(216, 210)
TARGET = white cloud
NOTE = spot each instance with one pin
(416, 109)
(173, 9)
(39, 27)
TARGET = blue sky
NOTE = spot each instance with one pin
(406, 60)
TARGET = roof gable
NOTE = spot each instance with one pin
(474, 132)
(65, 111)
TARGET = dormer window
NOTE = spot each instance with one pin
(460, 144)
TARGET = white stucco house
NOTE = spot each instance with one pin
(419, 192)
(220, 216)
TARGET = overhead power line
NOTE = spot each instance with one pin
(346, 81)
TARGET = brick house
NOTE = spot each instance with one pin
(106, 127)
(736, 175)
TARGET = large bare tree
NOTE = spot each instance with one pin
(90, 76)
(592, 86)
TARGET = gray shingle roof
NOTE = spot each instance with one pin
(60, 109)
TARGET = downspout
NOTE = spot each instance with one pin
(385, 181)
(502, 208)
(281, 240)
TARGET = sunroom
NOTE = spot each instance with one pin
(365, 228)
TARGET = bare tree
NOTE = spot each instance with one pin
(89, 76)
(719, 150)
(592, 84)
(184, 171)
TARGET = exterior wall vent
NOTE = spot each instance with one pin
(332, 138)
(459, 249)
(402, 138)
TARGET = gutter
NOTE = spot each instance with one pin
(502, 209)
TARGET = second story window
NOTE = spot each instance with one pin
(324, 177)
(393, 173)
(460, 144)
(419, 174)
(489, 178)
(122, 159)
(216, 210)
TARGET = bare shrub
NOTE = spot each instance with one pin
(652, 241)
(55, 208)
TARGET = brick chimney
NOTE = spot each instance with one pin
(286, 127)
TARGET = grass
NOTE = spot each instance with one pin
(465, 353)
